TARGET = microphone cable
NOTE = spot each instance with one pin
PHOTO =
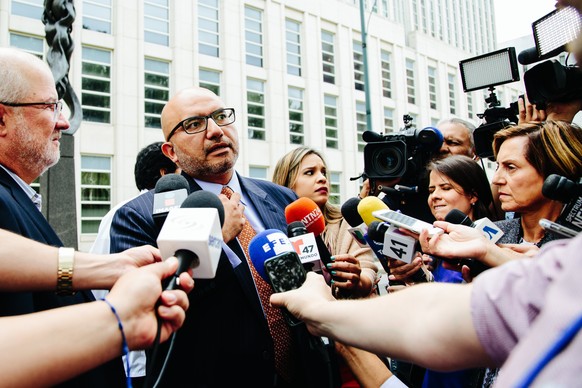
(154, 357)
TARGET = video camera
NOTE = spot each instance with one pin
(400, 158)
(546, 82)
(400, 155)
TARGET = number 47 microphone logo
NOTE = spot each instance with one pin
(306, 248)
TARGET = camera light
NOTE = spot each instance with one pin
(556, 29)
(495, 68)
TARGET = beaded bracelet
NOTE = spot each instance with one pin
(124, 347)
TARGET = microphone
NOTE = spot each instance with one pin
(358, 228)
(274, 258)
(530, 55)
(395, 246)
(484, 225)
(193, 234)
(305, 245)
(560, 188)
(368, 205)
(386, 241)
(307, 211)
(169, 193)
(488, 228)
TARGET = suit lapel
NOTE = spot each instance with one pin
(34, 217)
(271, 216)
(241, 271)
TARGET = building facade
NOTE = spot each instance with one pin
(292, 69)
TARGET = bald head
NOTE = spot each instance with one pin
(185, 104)
(19, 71)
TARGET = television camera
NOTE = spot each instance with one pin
(545, 83)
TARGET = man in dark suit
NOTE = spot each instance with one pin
(30, 128)
(226, 340)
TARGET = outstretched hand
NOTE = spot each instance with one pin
(135, 296)
(305, 300)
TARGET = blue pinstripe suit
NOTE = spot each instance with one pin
(225, 340)
(19, 215)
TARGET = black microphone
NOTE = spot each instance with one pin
(455, 216)
(358, 229)
(560, 188)
(350, 212)
(530, 55)
(296, 228)
(372, 137)
(169, 193)
(276, 261)
(193, 234)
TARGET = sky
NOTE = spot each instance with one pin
(514, 17)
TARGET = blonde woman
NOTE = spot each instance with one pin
(353, 271)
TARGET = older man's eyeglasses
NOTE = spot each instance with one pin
(197, 124)
(56, 106)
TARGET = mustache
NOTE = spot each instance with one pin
(218, 144)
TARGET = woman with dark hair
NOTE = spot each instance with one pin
(457, 182)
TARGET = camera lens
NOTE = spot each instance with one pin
(389, 162)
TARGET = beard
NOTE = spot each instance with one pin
(199, 166)
(31, 153)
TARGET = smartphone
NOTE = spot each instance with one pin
(557, 228)
(286, 273)
(403, 221)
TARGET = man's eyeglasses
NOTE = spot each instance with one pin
(57, 106)
(198, 124)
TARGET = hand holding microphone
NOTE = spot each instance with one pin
(192, 233)
(274, 258)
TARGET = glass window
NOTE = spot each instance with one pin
(432, 87)
(256, 109)
(388, 120)
(156, 91)
(96, 85)
(293, 44)
(28, 43)
(361, 123)
(296, 131)
(358, 66)
(258, 172)
(29, 8)
(334, 187)
(157, 22)
(470, 110)
(208, 31)
(331, 121)
(410, 87)
(97, 15)
(386, 74)
(95, 191)
(452, 94)
(254, 36)
(328, 57)
(210, 79)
